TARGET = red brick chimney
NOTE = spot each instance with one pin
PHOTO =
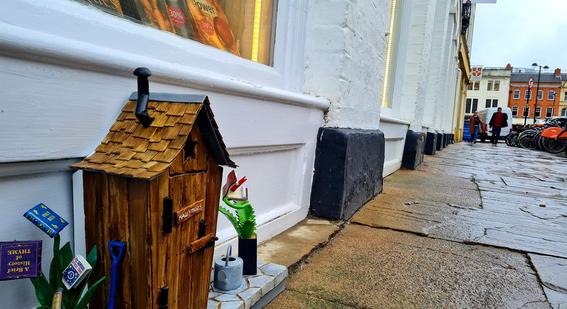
(557, 73)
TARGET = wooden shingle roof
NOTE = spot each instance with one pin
(129, 149)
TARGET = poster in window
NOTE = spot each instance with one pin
(112, 6)
(154, 13)
(178, 16)
(210, 25)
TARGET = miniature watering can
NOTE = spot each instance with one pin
(228, 271)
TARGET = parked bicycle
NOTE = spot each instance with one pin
(550, 136)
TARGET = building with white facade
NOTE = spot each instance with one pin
(491, 89)
(284, 75)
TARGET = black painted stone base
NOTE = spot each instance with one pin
(447, 138)
(440, 141)
(430, 143)
(413, 149)
(349, 166)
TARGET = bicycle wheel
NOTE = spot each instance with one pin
(510, 139)
(539, 141)
(554, 146)
(527, 139)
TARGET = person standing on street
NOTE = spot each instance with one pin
(498, 121)
(475, 125)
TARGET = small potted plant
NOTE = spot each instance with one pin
(243, 219)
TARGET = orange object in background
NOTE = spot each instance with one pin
(555, 133)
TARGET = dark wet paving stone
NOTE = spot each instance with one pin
(523, 195)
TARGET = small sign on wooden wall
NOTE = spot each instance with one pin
(188, 212)
(20, 259)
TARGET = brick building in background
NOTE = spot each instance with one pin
(547, 98)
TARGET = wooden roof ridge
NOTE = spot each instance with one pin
(132, 150)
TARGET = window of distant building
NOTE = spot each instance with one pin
(565, 96)
(488, 103)
(474, 105)
(476, 85)
(528, 94)
(489, 85)
(551, 95)
(540, 94)
(494, 102)
(514, 111)
(468, 106)
(496, 85)
(526, 111)
(538, 111)
(549, 112)
(564, 112)
(469, 86)
(516, 94)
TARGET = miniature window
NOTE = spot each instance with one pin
(496, 85)
(514, 111)
(242, 27)
(516, 94)
(549, 112)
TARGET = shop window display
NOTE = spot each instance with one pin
(241, 27)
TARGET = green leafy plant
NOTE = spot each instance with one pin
(243, 220)
(44, 290)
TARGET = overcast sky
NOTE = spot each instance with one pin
(521, 32)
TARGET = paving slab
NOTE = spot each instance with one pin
(376, 268)
(553, 275)
(521, 194)
(291, 246)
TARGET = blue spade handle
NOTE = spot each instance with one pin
(117, 250)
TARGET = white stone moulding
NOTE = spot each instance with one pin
(68, 33)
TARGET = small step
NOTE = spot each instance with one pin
(255, 292)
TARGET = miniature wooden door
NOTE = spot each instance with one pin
(194, 184)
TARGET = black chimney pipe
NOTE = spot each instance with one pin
(143, 96)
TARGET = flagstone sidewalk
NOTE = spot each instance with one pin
(475, 227)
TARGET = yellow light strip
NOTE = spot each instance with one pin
(256, 30)
(389, 54)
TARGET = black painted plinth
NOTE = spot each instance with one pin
(447, 138)
(430, 143)
(413, 149)
(348, 172)
(440, 141)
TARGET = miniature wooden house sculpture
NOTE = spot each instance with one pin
(154, 183)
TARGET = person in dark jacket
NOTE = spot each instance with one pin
(498, 121)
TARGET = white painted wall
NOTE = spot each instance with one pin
(344, 59)
(492, 74)
(66, 72)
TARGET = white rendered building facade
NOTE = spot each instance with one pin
(491, 90)
(383, 66)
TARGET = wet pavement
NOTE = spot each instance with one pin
(475, 227)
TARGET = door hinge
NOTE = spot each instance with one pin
(163, 296)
